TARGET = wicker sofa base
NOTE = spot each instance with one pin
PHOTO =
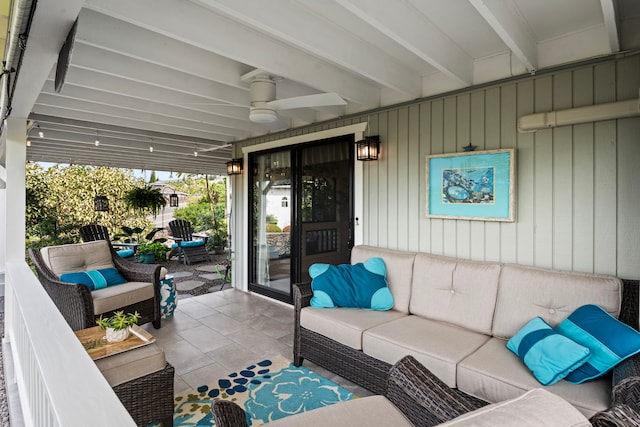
(354, 365)
(149, 398)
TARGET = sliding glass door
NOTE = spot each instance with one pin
(301, 213)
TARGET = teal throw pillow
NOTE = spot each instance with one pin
(549, 355)
(95, 279)
(362, 285)
(125, 253)
(609, 340)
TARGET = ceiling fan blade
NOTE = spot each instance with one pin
(307, 101)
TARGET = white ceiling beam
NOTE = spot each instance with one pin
(511, 28)
(121, 86)
(111, 63)
(121, 121)
(611, 24)
(123, 101)
(193, 24)
(215, 132)
(293, 24)
(108, 33)
(413, 31)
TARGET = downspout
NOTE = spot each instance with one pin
(21, 11)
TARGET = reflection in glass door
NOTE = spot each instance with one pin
(272, 194)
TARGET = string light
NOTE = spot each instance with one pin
(40, 132)
(28, 143)
(151, 148)
(97, 143)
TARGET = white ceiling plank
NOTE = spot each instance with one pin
(291, 23)
(112, 34)
(414, 32)
(611, 24)
(200, 27)
(511, 28)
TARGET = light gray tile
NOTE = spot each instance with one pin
(196, 310)
(185, 357)
(235, 356)
(223, 324)
(204, 338)
(270, 327)
(206, 375)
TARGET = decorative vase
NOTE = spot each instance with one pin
(117, 335)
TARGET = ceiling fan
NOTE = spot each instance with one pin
(262, 90)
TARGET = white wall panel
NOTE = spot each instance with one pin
(578, 192)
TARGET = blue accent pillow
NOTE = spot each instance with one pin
(609, 340)
(362, 285)
(189, 244)
(95, 279)
(124, 253)
(549, 355)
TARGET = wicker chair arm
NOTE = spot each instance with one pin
(302, 294)
(423, 397)
(616, 416)
(228, 414)
(135, 272)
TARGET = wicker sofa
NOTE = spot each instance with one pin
(455, 316)
(415, 397)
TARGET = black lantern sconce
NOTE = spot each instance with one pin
(100, 204)
(234, 167)
(368, 148)
(173, 200)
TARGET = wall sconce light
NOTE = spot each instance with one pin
(40, 132)
(234, 167)
(100, 204)
(368, 148)
(173, 200)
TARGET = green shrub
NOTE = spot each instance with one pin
(273, 228)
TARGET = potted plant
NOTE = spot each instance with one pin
(117, 326)
(145, 198)
(149, 253)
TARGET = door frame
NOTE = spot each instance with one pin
(241, 204)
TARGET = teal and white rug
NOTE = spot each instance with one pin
(268, 390)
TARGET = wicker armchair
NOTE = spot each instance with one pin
(76, 302)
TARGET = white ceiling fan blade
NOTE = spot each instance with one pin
(307, 101)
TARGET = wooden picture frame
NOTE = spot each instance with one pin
(475, 185)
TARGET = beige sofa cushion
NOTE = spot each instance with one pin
(459, 292)
(77, 257)
(437, 345)
(399, 271)
(344, 325)
(126, 366)
(527, 292)
(494, 374)
(365, 412)
(115, 297)
(536, 408)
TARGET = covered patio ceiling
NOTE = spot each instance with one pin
(176, 75)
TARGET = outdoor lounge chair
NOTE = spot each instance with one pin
(187, 248)
(81, 306)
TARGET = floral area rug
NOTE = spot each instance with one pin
(269, 390)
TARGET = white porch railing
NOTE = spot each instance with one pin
(58, 383)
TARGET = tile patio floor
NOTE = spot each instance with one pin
(217, 333)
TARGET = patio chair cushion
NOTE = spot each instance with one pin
(128, 365)
(95, 279)
(363, 285)
(115, 297)
(124, 253)
(62, 259)
(189, 244)
(549, 355)
(609, 340)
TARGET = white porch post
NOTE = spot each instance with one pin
(15, 135)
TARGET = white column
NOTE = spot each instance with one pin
(15, 135)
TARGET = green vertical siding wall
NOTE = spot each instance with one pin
(578, 187)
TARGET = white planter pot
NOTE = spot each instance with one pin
(117, 335)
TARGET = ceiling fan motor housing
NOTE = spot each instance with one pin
(262, 90)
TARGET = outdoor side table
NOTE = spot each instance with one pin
(168, 301)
